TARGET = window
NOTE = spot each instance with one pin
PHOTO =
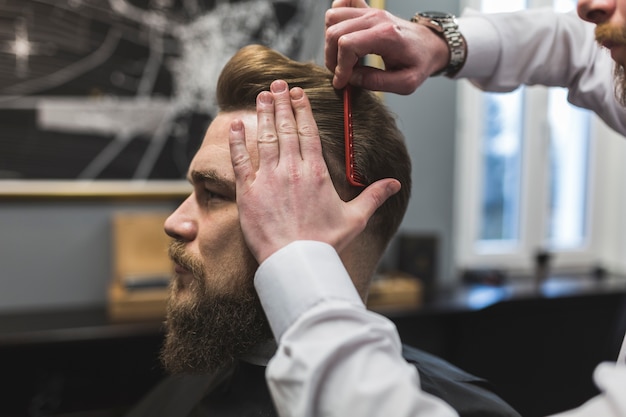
(528, 175)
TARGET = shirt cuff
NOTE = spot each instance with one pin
(483, 45)
(298, 277)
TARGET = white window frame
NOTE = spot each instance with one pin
(606, 193)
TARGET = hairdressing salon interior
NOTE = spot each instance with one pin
(510, 262)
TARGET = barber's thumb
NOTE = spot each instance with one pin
(378, 192)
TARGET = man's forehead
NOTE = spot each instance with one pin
(212, 160)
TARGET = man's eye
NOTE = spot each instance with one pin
(211, 195)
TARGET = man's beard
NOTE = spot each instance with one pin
(211, 329)
(620, 84)
(614, 34)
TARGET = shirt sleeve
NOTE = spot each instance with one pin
(541, 47)
(611, 380)
(334, 357)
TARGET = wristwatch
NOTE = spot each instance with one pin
(445, 25)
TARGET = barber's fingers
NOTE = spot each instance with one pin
(239, 156)
(267, 138)
(349, 3)
(340, 22)
(401, 81)
(285, 123)
(308, 133)
(349, 68)
(352, 34)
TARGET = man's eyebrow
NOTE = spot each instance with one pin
(213, 177)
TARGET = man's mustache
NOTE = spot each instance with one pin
(608, 33)
(178, 255)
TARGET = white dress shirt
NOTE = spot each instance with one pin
(335, 358)
(541, 47)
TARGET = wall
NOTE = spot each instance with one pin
(57, 254)
(427, 118)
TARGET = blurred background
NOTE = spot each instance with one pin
(509, 263)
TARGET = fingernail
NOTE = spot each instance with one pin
(266, 97)
(338, 84)
(278, 86)
(236, 126)
(393, 187)
(296, 93)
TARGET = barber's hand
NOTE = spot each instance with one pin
(410, 52)
(290, 196)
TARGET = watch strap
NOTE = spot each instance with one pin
(448, 29)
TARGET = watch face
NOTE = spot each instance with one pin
(436, 15)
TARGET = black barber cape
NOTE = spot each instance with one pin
(242, 391)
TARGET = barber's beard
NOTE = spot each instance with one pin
(210, 329)
(620, 84)
(607, 32)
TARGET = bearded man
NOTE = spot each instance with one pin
(218, 340)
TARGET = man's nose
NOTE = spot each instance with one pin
(181, 224)
(596, 11)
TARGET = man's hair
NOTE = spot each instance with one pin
(379, 148)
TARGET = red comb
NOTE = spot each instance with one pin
(351, 173)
